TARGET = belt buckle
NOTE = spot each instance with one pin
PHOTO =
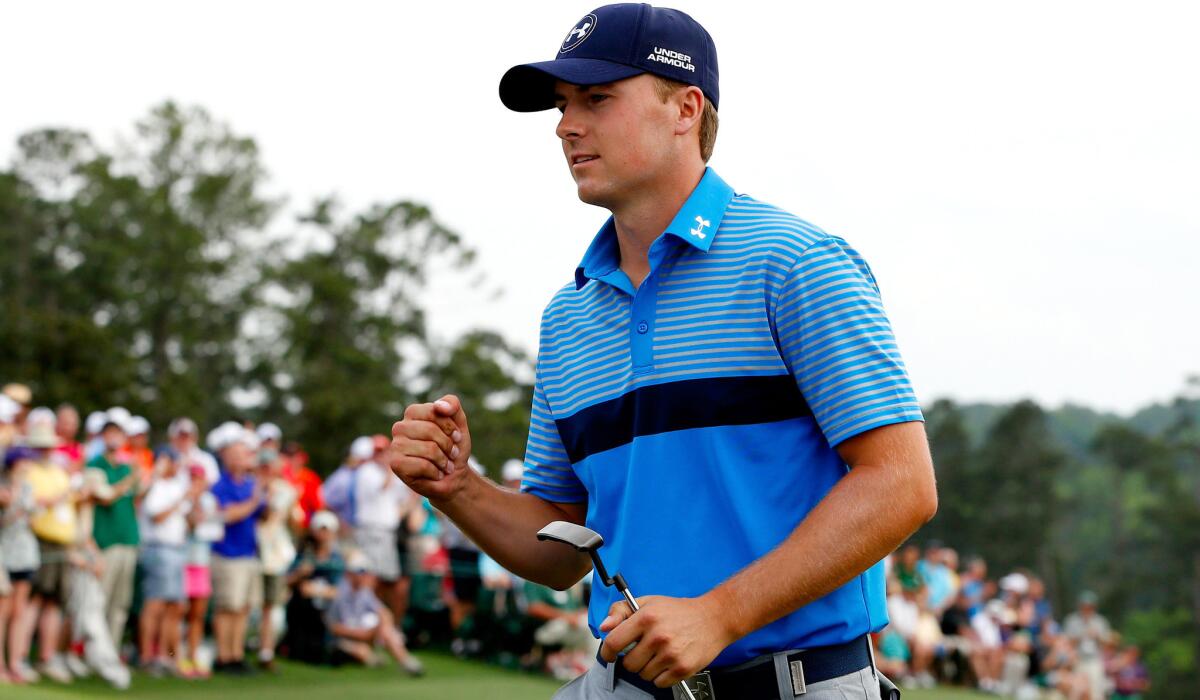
(700, 685)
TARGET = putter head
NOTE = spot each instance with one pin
(577, 536)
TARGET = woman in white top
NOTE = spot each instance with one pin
(164, 529)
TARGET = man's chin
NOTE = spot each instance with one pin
(595, 196)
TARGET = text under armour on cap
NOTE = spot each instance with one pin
(615, 42)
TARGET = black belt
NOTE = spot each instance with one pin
(757, 681)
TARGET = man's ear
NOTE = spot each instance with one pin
(690, 102)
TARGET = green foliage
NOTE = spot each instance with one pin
(332, 366)
(1169, 642)
(479, 368)
(1087, 501)
(146, 276)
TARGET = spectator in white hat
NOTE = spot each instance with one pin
(236, 573)
(56, 526)
(358, 621)
(313, 579)
(381, 502)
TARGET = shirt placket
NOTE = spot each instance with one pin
(644, 308)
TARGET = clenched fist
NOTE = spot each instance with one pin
(430, 448)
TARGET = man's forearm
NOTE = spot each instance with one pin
(866, 515)
(237, 512)
(504, 523)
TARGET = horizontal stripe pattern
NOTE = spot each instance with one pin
(681, 405)
(772, 296)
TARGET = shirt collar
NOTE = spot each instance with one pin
(696, 223)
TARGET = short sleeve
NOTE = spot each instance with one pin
(548, 473)
(835, 338)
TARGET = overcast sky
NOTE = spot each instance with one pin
(1023, 177)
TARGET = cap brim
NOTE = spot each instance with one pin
(530, 87)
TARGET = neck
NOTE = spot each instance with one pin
(640, 221)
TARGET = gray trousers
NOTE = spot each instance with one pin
(599, 683)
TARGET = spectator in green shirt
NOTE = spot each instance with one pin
(115, 527)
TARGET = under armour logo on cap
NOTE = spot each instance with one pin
(582, 30)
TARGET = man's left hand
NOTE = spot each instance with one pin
(676, 637)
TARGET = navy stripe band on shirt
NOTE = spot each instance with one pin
(692, 403)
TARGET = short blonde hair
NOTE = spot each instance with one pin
(665, 88)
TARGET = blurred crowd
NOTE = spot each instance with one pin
(952, 624)
(219, 552)
(119, 555)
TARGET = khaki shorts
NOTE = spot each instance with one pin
(236, 583)
(275, 589)
(51, 581)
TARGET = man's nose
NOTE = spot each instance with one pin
(569, 126)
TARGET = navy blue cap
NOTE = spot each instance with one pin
(615, 42)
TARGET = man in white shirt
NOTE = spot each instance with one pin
(381, 500)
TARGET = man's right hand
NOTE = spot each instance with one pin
(430, 448)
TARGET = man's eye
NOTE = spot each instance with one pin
(598, 98)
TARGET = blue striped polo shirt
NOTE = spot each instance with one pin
(697, 414)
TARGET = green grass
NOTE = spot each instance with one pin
(448, 678)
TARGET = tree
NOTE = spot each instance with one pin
(960, 498)
(133, 272)
(1020, 464)
(486, 373)
(331, 349)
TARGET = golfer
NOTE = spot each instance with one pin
(718, 394)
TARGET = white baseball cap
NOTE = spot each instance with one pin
(95, 422)
(512, 470)
(119, 415)
(137, 425)
(323, 519)
(8, 409)
(363, 447)
(182, 425)
(357, 562)
(269, 431)
(1015, 582)
(41, 417)
(228, 433)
